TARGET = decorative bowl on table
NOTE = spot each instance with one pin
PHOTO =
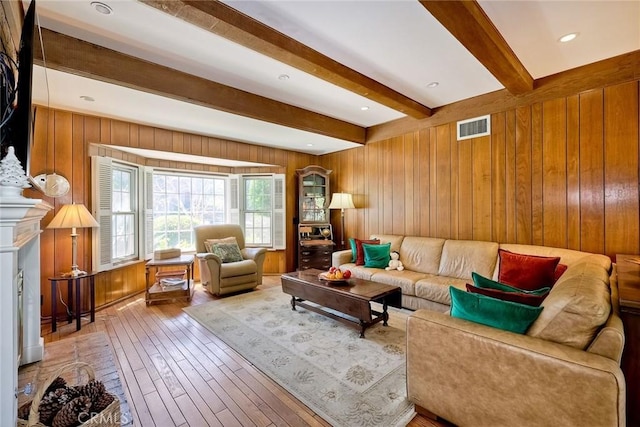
(335, 281)
(335, 276)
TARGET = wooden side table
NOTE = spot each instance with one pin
(155, 292)
(629, 298)
(71, 282)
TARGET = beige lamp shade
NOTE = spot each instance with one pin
(73, 216)
(341, 201)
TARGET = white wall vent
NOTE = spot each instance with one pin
(473, 128)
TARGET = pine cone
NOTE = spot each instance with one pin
(71, 414)
(59, 382)
(101, 402)
(53, 402)
(93, 389)
(23, 411)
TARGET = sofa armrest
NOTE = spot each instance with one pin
(465, 372)
(341, 257)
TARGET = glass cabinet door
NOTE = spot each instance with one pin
(313, 194)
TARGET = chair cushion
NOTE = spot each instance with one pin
(208, 243)
(228, 252)
(240, 268)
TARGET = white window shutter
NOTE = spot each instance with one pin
(279, 212)
(147, 213)
(234, 199)
(101, 186)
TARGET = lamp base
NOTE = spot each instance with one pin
(75, 272)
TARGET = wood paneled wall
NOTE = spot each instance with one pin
(64, 142)
(562, 173)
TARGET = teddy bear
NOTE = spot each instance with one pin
(395, 263)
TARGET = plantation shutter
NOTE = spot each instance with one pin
(279, 212)
(101, 186)
(234, 199)
(147, 212)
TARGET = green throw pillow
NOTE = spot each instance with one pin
(376, 256)
(483, 282)
(506, 315)
(228, 252)
(352, 242)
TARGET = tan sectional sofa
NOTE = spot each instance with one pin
(564, 371)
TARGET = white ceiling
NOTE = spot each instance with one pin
(396, 42)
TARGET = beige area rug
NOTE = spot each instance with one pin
(347, 380)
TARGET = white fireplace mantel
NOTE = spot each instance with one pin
(19, 263)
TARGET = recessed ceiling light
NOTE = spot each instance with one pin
(568, 37)
(283, 77)
(365, 108)
(102, 8)
(432, 85)
(309, 145)
(87, 98)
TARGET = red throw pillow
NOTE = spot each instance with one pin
(560, 269)
(528, 272)
(360, 250)
(522, 298)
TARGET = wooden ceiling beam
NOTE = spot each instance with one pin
(468, 23)
(224, 21)
(81, 58)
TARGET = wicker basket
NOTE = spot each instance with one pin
(109, 417)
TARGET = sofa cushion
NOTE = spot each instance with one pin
(527, 271)
(568, 257)
(360, 251)
(519, 297)
(376, 255)
(395, 240)
(497, 313)
(436, 288)
(421, 254)
(504, 292)
(359, 271)
(406, 279)
(578, 304)
(462, 257)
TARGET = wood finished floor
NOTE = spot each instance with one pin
(177, 373)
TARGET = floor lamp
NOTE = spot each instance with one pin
(341, 201)
(73, 216)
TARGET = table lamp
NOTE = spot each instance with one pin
(73, 216)
(341, 201)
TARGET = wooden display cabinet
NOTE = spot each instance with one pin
(313, 195)
(314, 247)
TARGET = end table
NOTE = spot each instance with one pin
(71, 282)
(155, 292)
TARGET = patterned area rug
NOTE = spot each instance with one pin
(347, 380)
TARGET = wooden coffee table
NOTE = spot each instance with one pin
(351, 300)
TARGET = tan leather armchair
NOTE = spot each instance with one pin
(223, 278)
